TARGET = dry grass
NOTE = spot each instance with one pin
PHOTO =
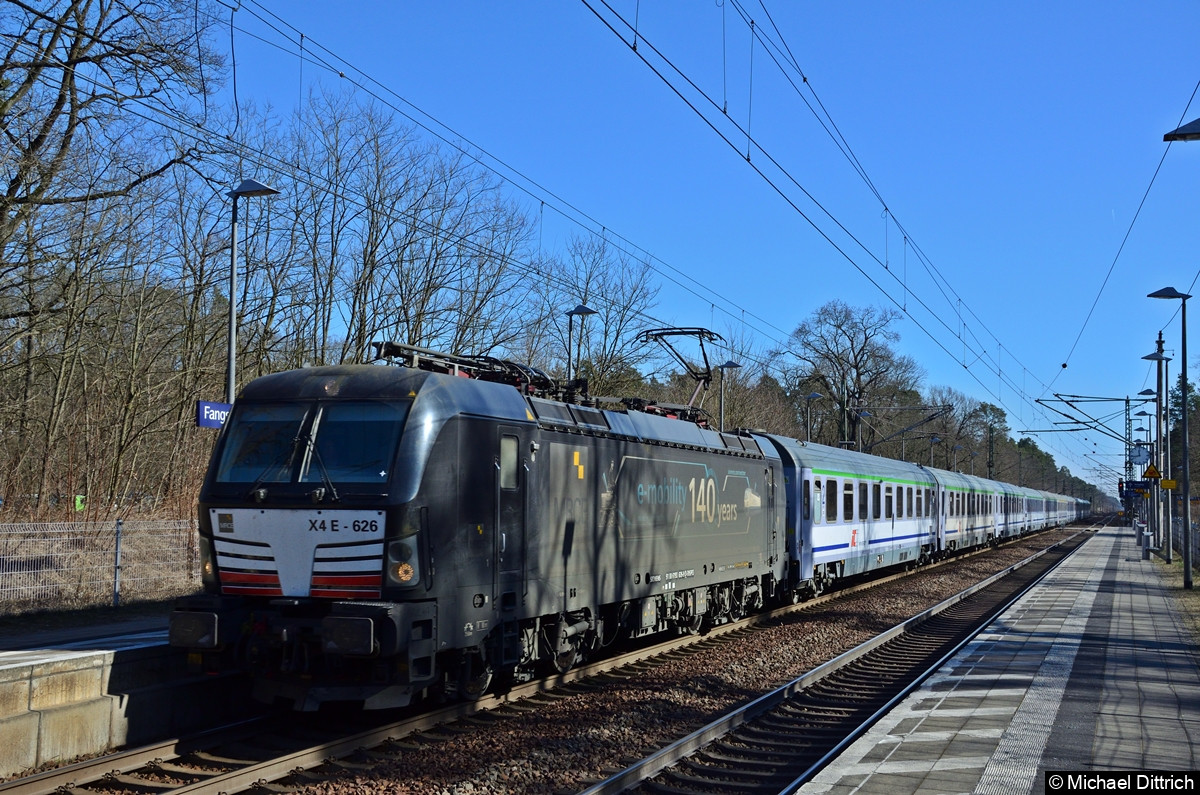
(1187, 602)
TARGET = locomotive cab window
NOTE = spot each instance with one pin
(342, 442)
(260, 446)
(354, 442)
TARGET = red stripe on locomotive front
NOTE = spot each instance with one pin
(348, 580)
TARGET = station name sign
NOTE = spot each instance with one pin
(210, 414)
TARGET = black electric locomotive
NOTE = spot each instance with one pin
(378, 533)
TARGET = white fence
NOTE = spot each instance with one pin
(61, 565)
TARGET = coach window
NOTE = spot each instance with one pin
(848, 501)
(818, 502)
(508, 462)
(862, 502)
(887, 503)
(876, 499)
(807, 502)
(918, 513)
(910, 500)
(831, 495)
(899, 502)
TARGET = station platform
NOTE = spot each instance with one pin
(71, 692)
(1095, 669)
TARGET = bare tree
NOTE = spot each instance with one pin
(846, 355)
(71, 71)
(606, 350)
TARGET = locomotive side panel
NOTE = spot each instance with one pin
(624, 520)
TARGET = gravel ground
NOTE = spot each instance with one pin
(566, 745)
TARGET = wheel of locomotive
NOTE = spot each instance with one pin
(724, 602)
(691, 625)
(474, 673)
(567, 649)
(689, 620)
(737, 602)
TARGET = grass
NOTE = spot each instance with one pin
(1187, 602)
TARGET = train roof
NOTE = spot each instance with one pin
(443, 394)
(436, 395)
(837, 462)
(447, 394)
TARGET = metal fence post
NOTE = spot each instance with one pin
(117, 567)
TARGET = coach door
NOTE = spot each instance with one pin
(511, 472)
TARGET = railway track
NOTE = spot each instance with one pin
(779, 741)
(291, 750)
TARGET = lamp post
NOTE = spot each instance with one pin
(1156, 456)
(956, 448)
(1163, 453)
(729, 365)
(1171, 292)
(973, 454)
(808, 414)
(582, 311)
(932, 441)
(249, 187)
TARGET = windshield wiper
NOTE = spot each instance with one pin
(260, 494)
(318, 495)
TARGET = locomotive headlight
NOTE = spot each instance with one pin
(403, 566)
(208, 567)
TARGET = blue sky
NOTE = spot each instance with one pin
(1012, 142)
